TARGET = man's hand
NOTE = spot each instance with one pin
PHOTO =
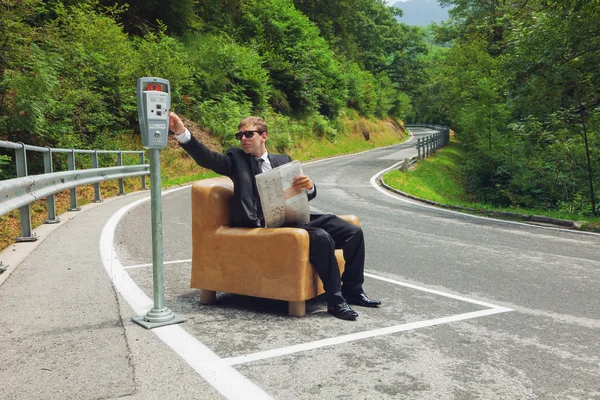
(302, 182)
(175, 124)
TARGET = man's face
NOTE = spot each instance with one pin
(254, 145)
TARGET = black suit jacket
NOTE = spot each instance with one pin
(241, 168)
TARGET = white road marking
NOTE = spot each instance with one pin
(164, 262)
(225, 379)
(373, 182)
(359, 336)
(492, 309)
(437, 292)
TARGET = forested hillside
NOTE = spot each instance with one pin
(69, 67)
(520, 84)
(518, 80)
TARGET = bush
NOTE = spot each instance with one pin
(301, 64)
(222, 117)
(362, 89)
(282, 130)
(386, 96)
(222, 66)
(321, 127)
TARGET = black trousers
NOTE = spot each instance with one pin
(328, 232)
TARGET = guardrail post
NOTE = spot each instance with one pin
(142, 161)
(404, 167)
(419, 149)
(73, 191)
(97, 198)
(120, 164)
(430, 145)
(24, 212)
(50, 203)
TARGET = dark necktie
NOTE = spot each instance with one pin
(257, 205)
(259, 163)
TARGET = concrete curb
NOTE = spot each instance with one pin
(534, 219)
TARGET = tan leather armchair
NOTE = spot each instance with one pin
(261, 262)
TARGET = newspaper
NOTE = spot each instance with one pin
(281, 203)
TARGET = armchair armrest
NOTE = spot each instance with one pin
(353, 219)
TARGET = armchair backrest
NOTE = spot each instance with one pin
(215, 195)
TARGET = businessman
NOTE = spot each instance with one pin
(327, 232)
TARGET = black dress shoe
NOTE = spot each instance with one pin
(342, 311)
(362, 300)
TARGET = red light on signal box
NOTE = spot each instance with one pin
(154, 86)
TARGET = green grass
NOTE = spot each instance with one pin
(350, 141)
(180, 180)
(438, 179)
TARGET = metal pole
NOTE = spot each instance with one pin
(156, 215)
(120, 164)
(97, 198)
(50, 203)
(73, 191)
(159, 315)
(430, 145)
(24, 212)
(142, 161)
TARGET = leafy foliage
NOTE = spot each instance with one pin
(301, 64)
(518, 80)
(521, 86)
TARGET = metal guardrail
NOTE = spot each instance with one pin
(20, 192)
(429, 145)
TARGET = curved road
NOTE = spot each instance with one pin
(474, 308)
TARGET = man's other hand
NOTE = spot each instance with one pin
(175, 124)
(302, 182)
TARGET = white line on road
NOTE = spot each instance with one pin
(360, 335)
(437, 292)
(493, 309)
(374, 178)
(165, 262)
(226, 380)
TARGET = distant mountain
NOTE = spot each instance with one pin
(421, 12)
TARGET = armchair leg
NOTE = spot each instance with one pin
(207, 296)
(296, 308)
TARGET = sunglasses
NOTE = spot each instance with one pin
(247, 134)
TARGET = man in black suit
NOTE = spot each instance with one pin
(327, 232)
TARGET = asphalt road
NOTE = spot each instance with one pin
(473, 308)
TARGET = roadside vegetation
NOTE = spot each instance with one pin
(441, 179)
(518, 81)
